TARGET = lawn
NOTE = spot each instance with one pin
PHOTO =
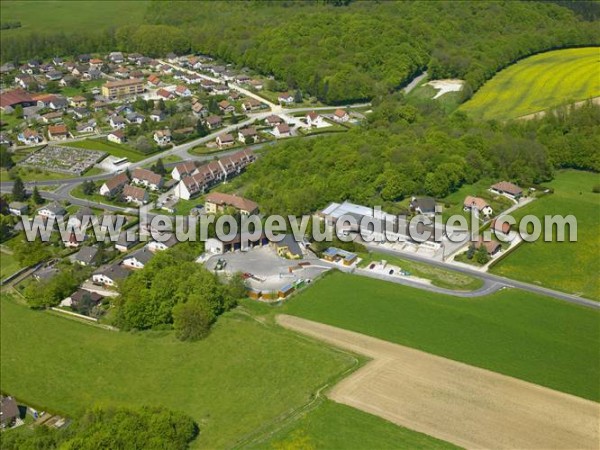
(33, 174)
(566, 266)
(527, 336)
(243, 376)
(424, 92)
(537, 83)
(8, 264)
(119, 150)
(439, 277)
(335, 426)
(35, 16)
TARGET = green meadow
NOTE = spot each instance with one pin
(566, 266)
(52, 16)
(244, 376)
(512, 332)
(537, 83)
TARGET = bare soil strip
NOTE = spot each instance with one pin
(465, 405)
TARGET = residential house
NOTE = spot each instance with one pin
(285, 98)
(491, 247)
(50, 117)
(164, 243)
(84, 215)
(162, 137)
(225, 140)
(135, 195)
(51, 211)
(114, 185)
(54, 75)
(217, 202)
(199, 109)
(96, 63)
(81, 295)
(183, 91)
(116, 57)
(219, 89)
(138, 259)
(72, 241)
(18, 209)
(282, 130)
(213, 122)
(110, 275)
(233, 96)
(87, 256)
(93, 74)
(80, 113)
(341, 116)
(127, 239)
(257, 84)
(500, 228)
(247, 135)
(226, 107)
(313, 119)
(88, 127)
(117, 136)
(117, 123)
(78, 101)
(508, 189)
(25, 81)
(153, 80)
(477, 204)
(67, 80)
(147, 178)
(164, 94)
(58, 103)
(30, 137)
(157, 115)
(58, 132)
(423, 205)
(184, 169)
(273, 120)
(135, 118)
(251, 104)
(9, 412)
(191, 78)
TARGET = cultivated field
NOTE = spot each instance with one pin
(51, 16)
(470, 407)
(537, 83)
(566, 266)
(523, 335)
(244, 376)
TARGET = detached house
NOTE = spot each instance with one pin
(147, 178)
(251, 104)
(509, 189)
(138, 259)
(247, 134)
(285, 98)
(162, 137)
(58, 132)
(110, 275)
(117, 123)
(52, 211)
(157, 115)
(30, 137)
(423, 205)
(282, 130)
(134, 194)
(226, 107)
(477, 204)
(199, 109)
(164, 94)
(217, 202)
(183, 91)
(313, 119)
(117, 136)
(213, 122)
(341, 116)
(225, 140)
(113, 185)
(273, 120)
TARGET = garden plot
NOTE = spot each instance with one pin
(68, 160)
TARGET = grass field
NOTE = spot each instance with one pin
(335, 426)
(566, 266)
(515, 333)
(242, 377)
(35, 16)
(119, 150)
(537, 83)
(8, 264)
(439, 277)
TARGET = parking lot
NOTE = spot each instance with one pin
(269, 271)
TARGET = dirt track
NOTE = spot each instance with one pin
(465, 405)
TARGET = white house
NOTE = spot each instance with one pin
(118, 137)
(136, 195)
(341, 116)
(285, 98)
(157, 246)
(162, 137)
(147, 178)
(313, 119)
(282, 130)
(477, 204)
(138, 259)
(111, 275)
(225, 140)
(52, 211)
(184, 169)
(116, 123)
(114, 184)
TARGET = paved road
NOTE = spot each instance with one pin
(507, 282)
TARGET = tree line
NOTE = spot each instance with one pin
(406, 149)
(332, 52)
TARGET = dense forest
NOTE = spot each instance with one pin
(109, 427)
(407, 149)
(331, 52)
